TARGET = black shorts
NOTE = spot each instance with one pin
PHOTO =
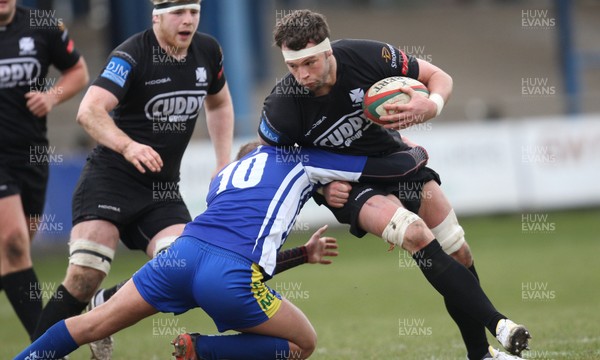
(408, 191)
(28, 180)
(139, 209)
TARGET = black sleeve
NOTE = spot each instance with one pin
(216, 55)
(279, 122)
(395, 166)
(62, 49)
(383, 59)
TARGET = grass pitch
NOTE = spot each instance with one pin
(539, 269)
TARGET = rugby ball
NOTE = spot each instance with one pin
(387, 91)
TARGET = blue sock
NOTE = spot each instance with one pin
(242, 347)
(54, 344)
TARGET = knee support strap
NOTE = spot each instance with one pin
(449, 233)
(163, 244)
(394, 231)
(91, 254)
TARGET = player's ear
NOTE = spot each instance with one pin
(328, 53)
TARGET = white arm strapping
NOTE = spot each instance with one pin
(439, 101)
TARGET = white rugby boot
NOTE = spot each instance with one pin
(495, 354)
(101, 349)
(513, 337)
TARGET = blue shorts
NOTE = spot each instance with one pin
(192, 273)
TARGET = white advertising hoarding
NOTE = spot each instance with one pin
(506, 166)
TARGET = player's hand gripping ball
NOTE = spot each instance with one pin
(387, 91)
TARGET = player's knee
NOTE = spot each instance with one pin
(451, 237)
(89, 263)
(90, 330)
(82, 282)
(463, 255)
(417, 236)
(14, 244)
(406, 229)
(163, 244)
(308, 345)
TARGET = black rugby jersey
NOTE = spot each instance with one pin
(293, 115)
(32, 42)
(159, 97)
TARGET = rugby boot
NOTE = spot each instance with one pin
(514, 337)
(185, 346)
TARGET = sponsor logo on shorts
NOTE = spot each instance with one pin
(117, 71)
(175, 106)
(267, 301)
(362, 193)
(347, 129)
(110, 207)
(18, 71)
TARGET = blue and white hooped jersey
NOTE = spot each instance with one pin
(254, 202)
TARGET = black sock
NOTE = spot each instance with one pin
(108, 293)
(22, 290)
(472, 331)
(0, 283)
(62, 305)
(456, 284)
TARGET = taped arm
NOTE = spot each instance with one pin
(395, 166)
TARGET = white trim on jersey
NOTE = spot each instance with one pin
(325, 176)
(290, 191)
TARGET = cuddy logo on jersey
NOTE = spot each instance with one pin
(27, 46)
(117, 71)
(175, 106)
(201, 76)
(19, 71)
(357, 96)
(347, 129)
